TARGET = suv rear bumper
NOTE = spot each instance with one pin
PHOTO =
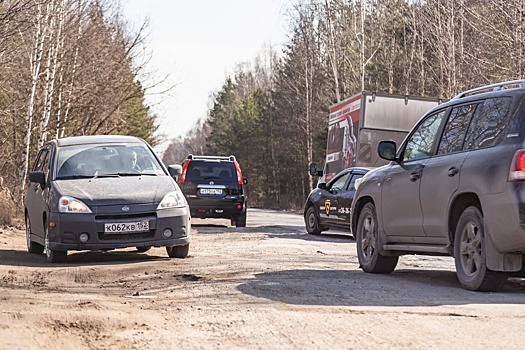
(505, 218)
(203, 208)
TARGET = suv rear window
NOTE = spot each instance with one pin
(489, 126)
(202, 170)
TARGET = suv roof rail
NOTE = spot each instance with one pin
(491, 87)
(231, 158)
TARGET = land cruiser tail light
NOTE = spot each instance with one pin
(517, 170)
(239, 172)
(184, 171)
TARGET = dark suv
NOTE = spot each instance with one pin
(213, 187)
(454, 187)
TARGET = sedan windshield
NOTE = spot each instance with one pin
(87, 161)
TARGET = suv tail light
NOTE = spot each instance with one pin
(517, 168)
(184, 171)
(239, 172)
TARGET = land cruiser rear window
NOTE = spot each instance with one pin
(452, 140)
(490, 123)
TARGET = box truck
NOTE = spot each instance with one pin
(358, 123)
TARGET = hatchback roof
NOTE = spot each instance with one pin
(95, 139)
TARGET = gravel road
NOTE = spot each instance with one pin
(267, 286)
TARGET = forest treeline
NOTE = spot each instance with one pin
(272, 114)
(67, 68)
(74, 67)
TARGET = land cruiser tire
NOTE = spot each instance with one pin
(368, 244)
(470, 254)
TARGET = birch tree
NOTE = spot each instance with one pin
(41, 24)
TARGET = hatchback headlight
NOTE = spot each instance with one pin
(72, 205)
(173, 199)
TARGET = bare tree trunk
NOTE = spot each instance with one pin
(61, 125)
(361, 38)
(53, 65)
(41, 23)
(332, 51)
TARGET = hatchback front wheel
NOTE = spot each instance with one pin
(53, 256)
(178, 251)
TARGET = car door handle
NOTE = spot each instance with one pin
(453, 171)
(415, 176)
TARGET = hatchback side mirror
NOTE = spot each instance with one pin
(38, 177)
(175, 170)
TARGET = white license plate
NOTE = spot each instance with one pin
(210, 191)
(126, 227)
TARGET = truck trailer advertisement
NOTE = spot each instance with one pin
(357, 124)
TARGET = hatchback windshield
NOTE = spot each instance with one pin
(112, 159)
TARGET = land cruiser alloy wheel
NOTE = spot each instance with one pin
(470, 254)
(367, 239)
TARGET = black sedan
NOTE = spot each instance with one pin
(101, 193)
(328, 206)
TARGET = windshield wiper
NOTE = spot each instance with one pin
(129, 174)
(75, 176)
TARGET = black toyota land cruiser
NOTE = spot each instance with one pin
(213, 187)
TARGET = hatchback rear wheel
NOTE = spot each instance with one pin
(32, 247)
(368, 244)
(470, 254)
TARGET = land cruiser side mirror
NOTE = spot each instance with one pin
(322, 185)
(387, 150)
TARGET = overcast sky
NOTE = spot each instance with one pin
(198, 44)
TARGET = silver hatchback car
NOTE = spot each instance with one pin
(101, 193)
